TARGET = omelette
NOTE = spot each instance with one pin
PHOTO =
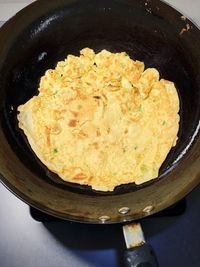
(102, 120)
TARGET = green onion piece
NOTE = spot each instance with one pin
(144, 168)
(55, 150)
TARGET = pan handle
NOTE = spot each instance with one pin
(142, 256)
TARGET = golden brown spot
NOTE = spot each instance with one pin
(79, 176)
(47, 133)
(90, 179)
(98, 133)
(134, 119)
(108, 130)
(82, 134)
(72, 123)
(126, 131)
(74, 113)
(123, 108)
(96, 145)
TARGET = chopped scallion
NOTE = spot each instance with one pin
(144, 168)
(55, 150)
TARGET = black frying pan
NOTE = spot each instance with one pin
(44, 33)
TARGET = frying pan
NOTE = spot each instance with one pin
(47, 31)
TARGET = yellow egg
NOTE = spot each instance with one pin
(102, 120)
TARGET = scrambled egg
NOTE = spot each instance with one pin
(102, 120)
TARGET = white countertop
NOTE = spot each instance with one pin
(9, 7)
(190, 8)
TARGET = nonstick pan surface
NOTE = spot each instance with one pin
(46, 32)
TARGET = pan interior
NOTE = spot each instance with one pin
(113, 25)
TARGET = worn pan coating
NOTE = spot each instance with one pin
(45, 32)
